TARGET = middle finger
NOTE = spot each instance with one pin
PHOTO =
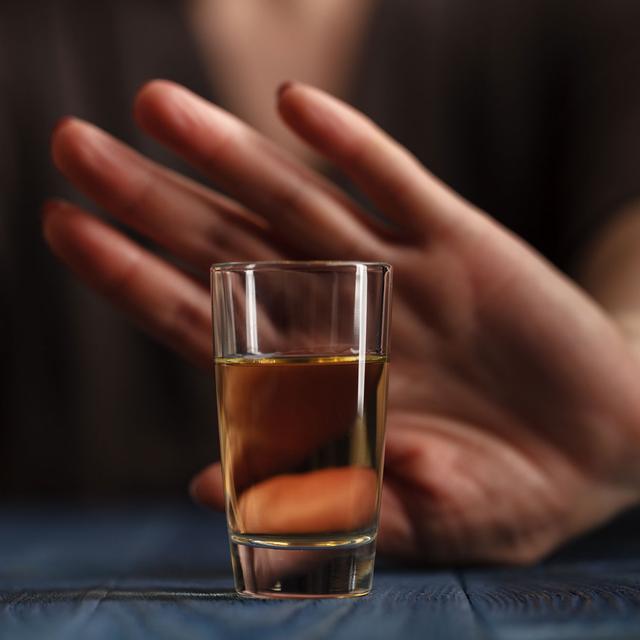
(304, 209)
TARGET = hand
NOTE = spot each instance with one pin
(514, 412)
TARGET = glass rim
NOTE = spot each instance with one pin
(296, 265)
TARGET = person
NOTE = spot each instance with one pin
(513, 410)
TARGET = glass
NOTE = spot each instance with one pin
(301, 381)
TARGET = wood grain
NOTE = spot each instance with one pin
(163, 572)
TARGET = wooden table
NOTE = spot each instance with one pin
(162, 571)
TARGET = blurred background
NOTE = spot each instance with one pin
(529, 109)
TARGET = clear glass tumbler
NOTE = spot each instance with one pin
(301, 380)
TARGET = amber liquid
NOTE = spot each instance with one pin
(302, 446)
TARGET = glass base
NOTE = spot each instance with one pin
(283, 568)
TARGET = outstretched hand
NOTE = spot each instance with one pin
(514, 412)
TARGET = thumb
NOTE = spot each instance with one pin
(206, 487)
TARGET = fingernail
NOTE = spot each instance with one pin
(283, 88)
(61, 123)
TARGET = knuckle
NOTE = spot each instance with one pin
(289, 200)
(220, 148)
(140, 200)
(221, 239)
(524, 550)
(358, 151)
(120, 283)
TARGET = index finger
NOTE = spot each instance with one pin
(391, 176)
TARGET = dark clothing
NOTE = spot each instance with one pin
(529, 109)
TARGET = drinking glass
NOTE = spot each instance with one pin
(301, 352)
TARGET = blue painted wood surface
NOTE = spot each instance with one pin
(163, 572)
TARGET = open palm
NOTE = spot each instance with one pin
(514, 412)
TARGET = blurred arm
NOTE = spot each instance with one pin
(610, 271)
